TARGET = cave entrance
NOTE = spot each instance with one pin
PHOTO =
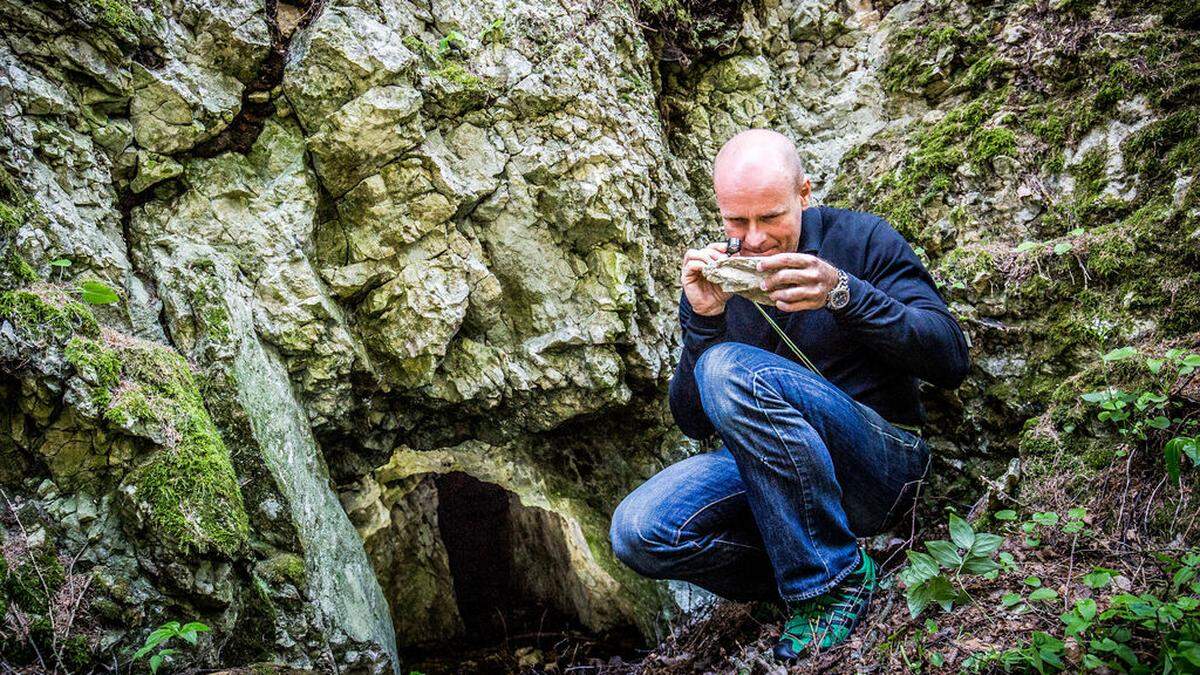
(514, 586)
(486, 532)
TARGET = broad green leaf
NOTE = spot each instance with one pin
(1191, 448)
(1026, 246)
(1154, 365)
(1077, 513)
(921, 567)
(1119, 354)
(1043, 595)
(1099, 396)
(1086, 608)
(944, 552)
(196, 626)
(60, 262)
(1172, 451)
(1033, 581)
(961, 532)
(155, 662)
(97, 293)
(979, 565)
(1006, 514)
(986, 544)
(1061, 247)
(1048, 518)
(1010, 599)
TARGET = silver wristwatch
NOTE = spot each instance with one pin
(839, 295)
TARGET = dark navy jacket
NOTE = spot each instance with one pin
(895, 331)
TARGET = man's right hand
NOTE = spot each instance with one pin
(706, 298)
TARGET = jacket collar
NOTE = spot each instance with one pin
(812, 230)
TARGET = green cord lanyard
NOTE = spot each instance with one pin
(809, 364)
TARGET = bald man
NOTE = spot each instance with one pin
(809, 461)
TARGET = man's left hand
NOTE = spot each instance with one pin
(797, 281)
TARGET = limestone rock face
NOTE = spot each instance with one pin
(393, 274)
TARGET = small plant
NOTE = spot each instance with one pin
(1162, 627)
(97, 293)
(936, 576)
(158, 639)
(1139, 414)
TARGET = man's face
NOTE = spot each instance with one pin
(762, 208)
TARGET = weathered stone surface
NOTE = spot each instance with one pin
(739, 275)
(456, 231)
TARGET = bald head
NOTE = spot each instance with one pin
(762, 152)
(761, 191)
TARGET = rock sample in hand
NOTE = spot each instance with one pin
(738, 275)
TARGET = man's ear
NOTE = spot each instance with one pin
(804, 192)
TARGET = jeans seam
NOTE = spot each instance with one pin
(679, 530)
(799, 473)
(826, 586)
(718, 540)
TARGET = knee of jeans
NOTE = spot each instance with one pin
(638, 546)
(723, 379)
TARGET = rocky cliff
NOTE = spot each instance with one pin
(303, 306)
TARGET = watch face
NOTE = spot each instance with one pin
(839, 298)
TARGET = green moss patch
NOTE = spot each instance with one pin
(47, 311)
(188, 488)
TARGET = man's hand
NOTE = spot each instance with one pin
(797, 280)
(706, 298)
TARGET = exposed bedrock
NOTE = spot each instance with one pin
(397, 281)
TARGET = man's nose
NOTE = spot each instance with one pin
(754, 239)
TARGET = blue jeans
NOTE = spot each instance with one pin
(774, 513)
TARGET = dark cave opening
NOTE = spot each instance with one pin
(509, 572)
(474, 518)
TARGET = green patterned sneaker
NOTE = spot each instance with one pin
(827, 620)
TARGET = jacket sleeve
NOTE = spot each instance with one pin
(699, 333)
(898, 311)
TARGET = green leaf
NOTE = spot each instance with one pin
(188, 635)
(1172, 451)
(986, 544)
(1048, 518)
(1077, 513)
(60, 262)
(97, 293)
(1062, 247)
(1191, 448)
(1119, 354)
(1033, 581)
(944, 552)
(1026, 246)
(1043, 595)
(938, 589)
(1099, 396)
(1010, 599)
(921, 567)
(155, 662)
(979, 565)
(1098, 578)
(1086, 608)
(196, 626)
(1154, 365)
(1006, 514)
(961, 532)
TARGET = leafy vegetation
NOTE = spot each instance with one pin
(155, 646)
